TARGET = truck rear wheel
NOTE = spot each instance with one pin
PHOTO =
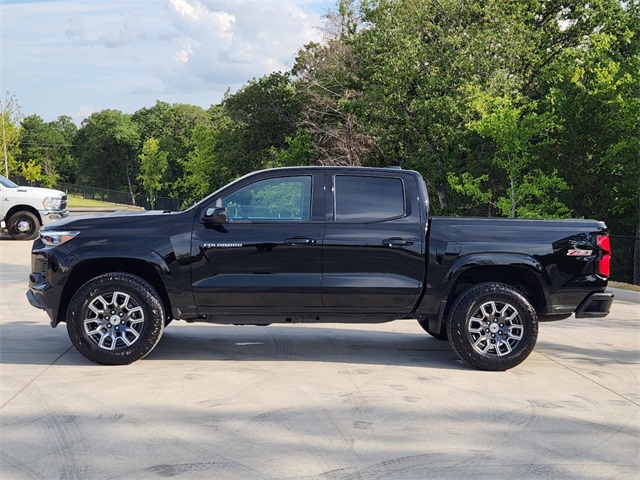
(23, 225)
(115, 319)
(492, 326)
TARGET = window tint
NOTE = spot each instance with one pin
(367, 199)
(280, 199)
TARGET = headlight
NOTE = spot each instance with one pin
(55, 237)
(52, 203)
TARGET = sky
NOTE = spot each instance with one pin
(76, 57)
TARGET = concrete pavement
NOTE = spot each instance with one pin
(314, 402)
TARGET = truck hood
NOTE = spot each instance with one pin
(37, 192)
(110, 220)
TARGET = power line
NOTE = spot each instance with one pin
(49, 144)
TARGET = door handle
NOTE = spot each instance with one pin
(300, 241)
(396, 242)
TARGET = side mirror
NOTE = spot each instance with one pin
(215, 216)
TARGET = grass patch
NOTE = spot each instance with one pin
(625, 286)
(76, 201)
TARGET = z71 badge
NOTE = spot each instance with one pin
(576, 252)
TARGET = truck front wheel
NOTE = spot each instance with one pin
(115, 319)
(492, 326)
(23, 225)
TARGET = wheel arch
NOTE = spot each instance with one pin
(523, 272)
(91, 268)
(524, 279)
(22, 208)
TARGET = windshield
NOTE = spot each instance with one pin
(7, 183)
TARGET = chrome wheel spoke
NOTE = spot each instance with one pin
(482, 344)
(475, 326)
(129, 336)
(136, 314)
(125, 299)
(98, 327)
(512, 316)
(515, 332)
(103, 340)
(502, 347)
(98, 305)
(488, 309)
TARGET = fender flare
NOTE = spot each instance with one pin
(466, 263)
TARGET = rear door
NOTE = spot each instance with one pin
(374, 243)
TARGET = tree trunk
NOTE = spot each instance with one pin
(513, 198)
(133, 197)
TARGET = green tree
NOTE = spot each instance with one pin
(172, 125)
(203, 171)
(153, 164)
(9, 139)
(31, 171)
(595, 89)
(50, 145)
(299, 151)
(327, 77)
(518, 132)
(200, 167)
(261, 115)
(106, 148)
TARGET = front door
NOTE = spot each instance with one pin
(269, 252)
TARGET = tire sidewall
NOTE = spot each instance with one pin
(139, 290)
(27, 216)
(460, 317)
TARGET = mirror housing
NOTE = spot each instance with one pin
(215, 216)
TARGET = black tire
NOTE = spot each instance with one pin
(492, 326)
(115, 319)
(442, 335)
(23, 225)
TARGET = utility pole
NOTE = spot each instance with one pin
(4, 140)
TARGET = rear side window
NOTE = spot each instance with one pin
(368, 199)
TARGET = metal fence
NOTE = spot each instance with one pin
(625, 261)
(123, 198)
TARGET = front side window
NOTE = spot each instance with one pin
(273, 199)
(368, 199)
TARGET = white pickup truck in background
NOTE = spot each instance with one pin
(23, 210)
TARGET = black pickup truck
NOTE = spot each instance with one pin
(318, 244)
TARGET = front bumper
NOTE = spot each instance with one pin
(49, 216)
(596, 305)
(37, 298)
(44, 287)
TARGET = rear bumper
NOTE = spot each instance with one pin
(596, 305)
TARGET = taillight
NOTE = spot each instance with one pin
(603, 265)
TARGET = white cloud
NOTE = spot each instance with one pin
(183, 55)
(82, 112)
(128, 34)
(184, 8)
(75, 32)
(128, 54)
(232, 42)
